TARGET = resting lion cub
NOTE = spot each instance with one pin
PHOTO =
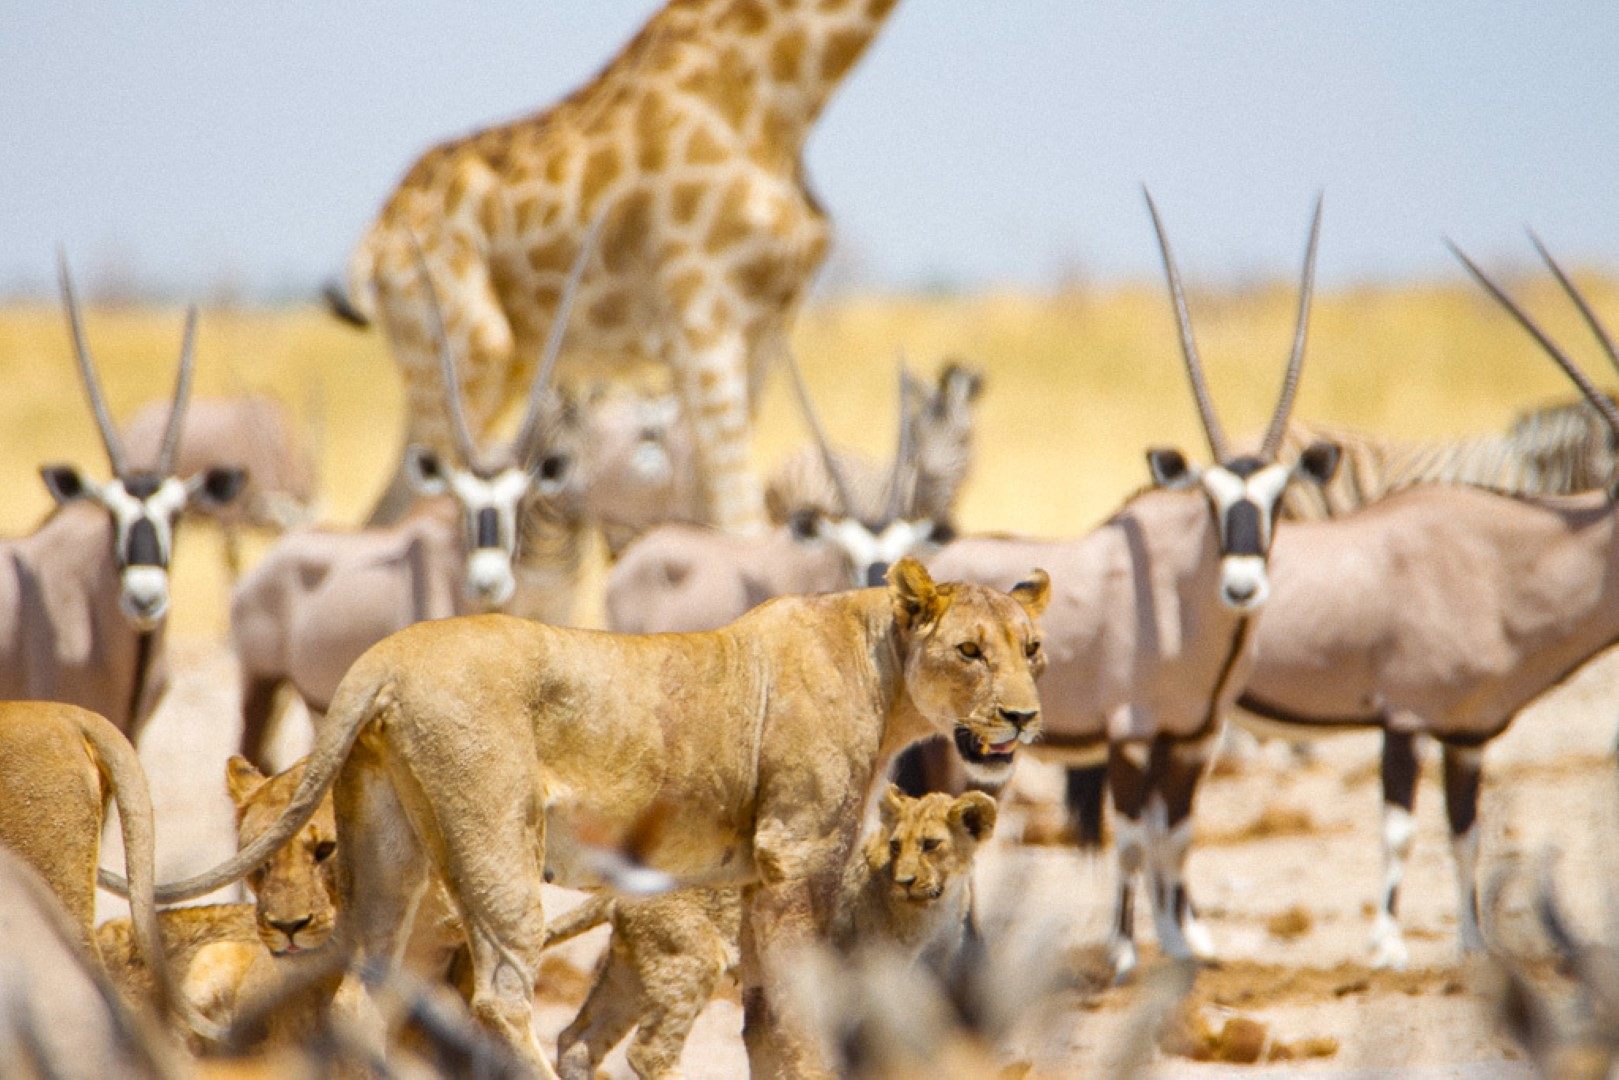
(909, 888)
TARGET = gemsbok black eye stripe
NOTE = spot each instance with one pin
(142, 548)
(1243, 534)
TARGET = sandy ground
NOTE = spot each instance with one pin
(1285, 872)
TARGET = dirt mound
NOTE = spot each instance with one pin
(1239, 1040)
(1272, 823)
(1249, 984)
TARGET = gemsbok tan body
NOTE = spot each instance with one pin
(84, 599)
(1149, 633)
(1442, 611)
(320, 598)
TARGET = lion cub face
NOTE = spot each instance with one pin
(926, 844)
(295, 892)
(971, 657)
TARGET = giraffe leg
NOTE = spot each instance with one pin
(1463, 771)
(1399, 800)
(713, 381)
(1127, 780)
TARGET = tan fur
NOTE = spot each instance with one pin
(908, 890)
(743, 754)
(211, 949)
(689, 142)
(58, 764)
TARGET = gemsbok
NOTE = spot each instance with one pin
(84, 598)
(1443, 611)
(1150, 630)
(320, 597)
(687, 577)
(254, 433)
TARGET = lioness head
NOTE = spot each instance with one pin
(295, 891)
(971, 656)
(924, 844)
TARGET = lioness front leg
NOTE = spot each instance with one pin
(782, 916)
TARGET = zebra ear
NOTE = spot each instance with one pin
(1169, 468)
(1319, 461)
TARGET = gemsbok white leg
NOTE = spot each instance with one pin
(1176, 768)
(1399, 825)
(1463, 771)
(1127, 775)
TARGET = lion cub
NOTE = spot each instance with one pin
(909, 887)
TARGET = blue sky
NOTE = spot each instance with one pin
(185, 143)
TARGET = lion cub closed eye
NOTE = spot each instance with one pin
(907, 889)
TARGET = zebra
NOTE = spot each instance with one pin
(1556, 449)
(940, 425)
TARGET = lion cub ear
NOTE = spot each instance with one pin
(974, 814)
(916, 598)
(1034, 593)
(241, 779)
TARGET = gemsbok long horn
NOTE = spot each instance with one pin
(1183, 322)
(1598, 400)
(1290, 381)
(834, 472)
(1575, 295)
(182, 397)
(523, 441)
(87, 371)
(902, 478)
(465, 445)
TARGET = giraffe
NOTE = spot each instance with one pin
(688, 145)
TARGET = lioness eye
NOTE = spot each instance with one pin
(1032, 650)
(893, 847)
(324, 850)
(970, 650)
(930, 844)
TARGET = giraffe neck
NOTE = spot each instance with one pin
(768, 67)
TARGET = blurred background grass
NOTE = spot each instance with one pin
(1079, 383)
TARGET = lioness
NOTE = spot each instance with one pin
(478, 747)
(58, 764)
(908, 891)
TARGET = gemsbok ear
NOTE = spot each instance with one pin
(64, 482)
(217, 486)
(974, 814)
(1319, 461)
(1034, 593)
(916, 599)
(425, 472)
(804, 525)
(552, 470)
(1169, 468)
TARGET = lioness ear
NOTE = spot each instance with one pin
(916, 598)
(242, 779)
(974, 813)
(1319, 462)
(1034, 593)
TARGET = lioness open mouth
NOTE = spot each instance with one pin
(980, 751)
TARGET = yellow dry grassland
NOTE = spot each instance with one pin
(1079, 384)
